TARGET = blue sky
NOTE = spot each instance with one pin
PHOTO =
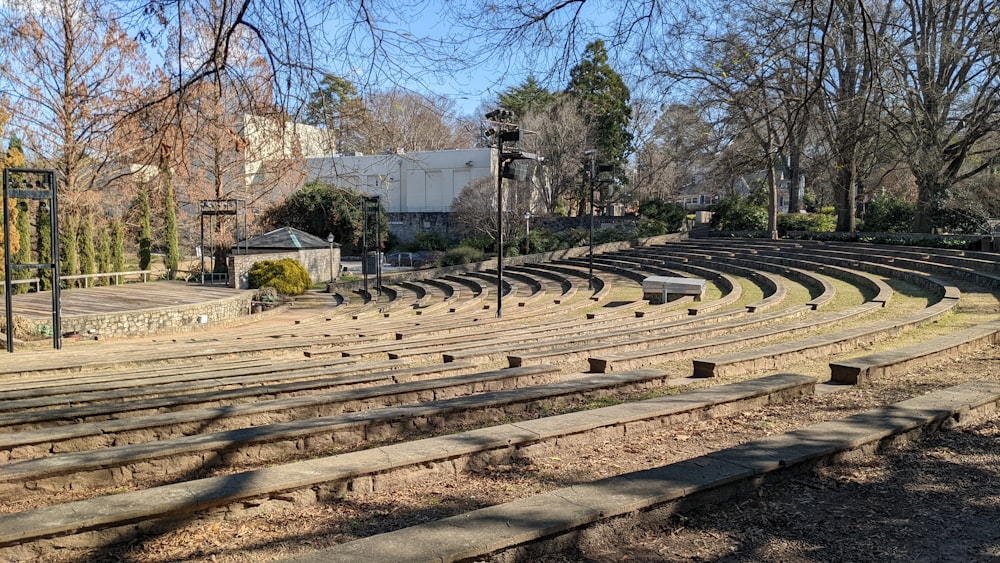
(483, 79)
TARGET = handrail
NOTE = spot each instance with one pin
(117, 276)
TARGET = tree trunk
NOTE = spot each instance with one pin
(772, 200)
(844, 192)
(795, 170)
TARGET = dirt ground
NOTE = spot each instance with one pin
(939, 501)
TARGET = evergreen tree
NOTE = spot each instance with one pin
(69, 264)
(117, 245)
(14, 157)
(43, 236)
(104, 252)
(326, 103)
(23, 255)
(88, 253)
(603, 100)
(336, 107)
(145, 233)
(173, 257)
(320, 208)
(529, 97)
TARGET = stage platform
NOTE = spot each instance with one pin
(136, 309)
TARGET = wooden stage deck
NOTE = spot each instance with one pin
(128, 297)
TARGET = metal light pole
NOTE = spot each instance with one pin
(504, 132)
(329, 239)
(592, 153)
(527, 232)
(500, 165)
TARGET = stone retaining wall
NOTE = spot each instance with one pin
(121, 324)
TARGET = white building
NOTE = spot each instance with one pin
(417, 182)
(268, 140)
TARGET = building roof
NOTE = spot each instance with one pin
(285, 238)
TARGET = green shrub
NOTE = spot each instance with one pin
(461, 255)
(428, 241)
(480, 241)
(960, 221)
(889, 214)
(651, 228)
(287, 276)
(811, 222)
(734, 213)
(670, 215)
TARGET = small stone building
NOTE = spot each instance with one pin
(319, 257)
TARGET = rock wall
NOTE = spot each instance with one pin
(316, 262)
(121, 324)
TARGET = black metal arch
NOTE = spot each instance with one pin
(40, 185)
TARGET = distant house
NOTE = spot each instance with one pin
(742, 185)
(319, 257)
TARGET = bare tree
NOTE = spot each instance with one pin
(399, 119)
(946, 74)
(70, 71)
(559, 135)
(677, 152)
(847, 55)
(475, 209)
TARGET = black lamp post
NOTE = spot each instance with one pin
(504, 132)
(329, 239)
(592, 153)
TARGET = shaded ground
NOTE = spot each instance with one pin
(937, 502)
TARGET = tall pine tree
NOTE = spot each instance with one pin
(22, 222)
(43, 237)
(14, 157)
(69, 264)
(528, 97)
(104, 252)
(117, 245)
(603, 100)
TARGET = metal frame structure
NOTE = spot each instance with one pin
(17, 185)
(212, 208)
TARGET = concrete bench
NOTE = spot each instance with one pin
(626, 359)
(350, 407)
(724, 476)
(777, 355)
(794, 256)
(860, 370)
(670, 341)
(660, 289)
(344, 377)
(356, 470)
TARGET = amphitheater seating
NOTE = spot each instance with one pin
(363, 397)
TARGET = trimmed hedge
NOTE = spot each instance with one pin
(287, 276)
